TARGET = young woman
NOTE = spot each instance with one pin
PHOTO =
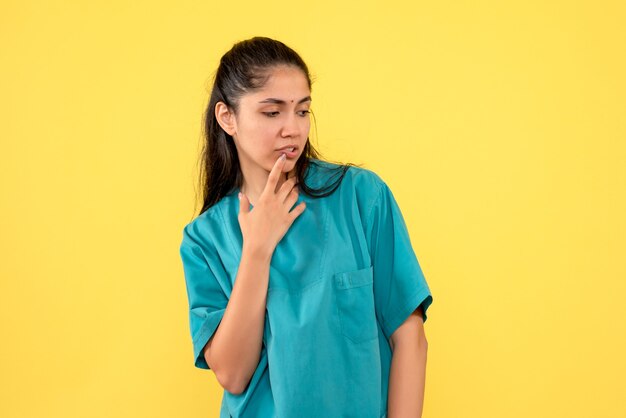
(305, 296)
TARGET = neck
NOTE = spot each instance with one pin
(255, 179)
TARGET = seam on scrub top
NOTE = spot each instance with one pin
(368, 222)
(232, 243)
(382, 186)
(325, 225)
(374, 202)
(230, 237)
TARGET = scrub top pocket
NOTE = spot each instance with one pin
(355, 301)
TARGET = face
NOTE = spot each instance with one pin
(271, 118)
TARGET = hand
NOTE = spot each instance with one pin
(267, 223)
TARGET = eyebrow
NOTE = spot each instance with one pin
(279, 101)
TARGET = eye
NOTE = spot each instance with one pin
(305, 112)
(269, 114)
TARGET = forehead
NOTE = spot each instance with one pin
(284, 83)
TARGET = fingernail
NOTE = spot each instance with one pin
(283, 156)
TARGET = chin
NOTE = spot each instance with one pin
(289, 165)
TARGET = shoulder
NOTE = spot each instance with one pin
(209, 223)
(360, 185)
(360, 179)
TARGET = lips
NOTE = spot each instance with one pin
(288, 148)
(290, 151)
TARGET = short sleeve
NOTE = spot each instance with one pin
(207, 300)
(399, 284)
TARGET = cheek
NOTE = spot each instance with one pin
(256, 133)
(259, 127)
(262, 139)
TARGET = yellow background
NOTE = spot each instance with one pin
(499, 126)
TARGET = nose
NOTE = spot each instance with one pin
(291, 126)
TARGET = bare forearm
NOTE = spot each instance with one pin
(236, 346)
(407, 379)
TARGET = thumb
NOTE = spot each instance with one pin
(244, 204)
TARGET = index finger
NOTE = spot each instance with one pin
(272, 179)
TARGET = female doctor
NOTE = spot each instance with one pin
(305, 296)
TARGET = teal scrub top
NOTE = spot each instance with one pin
(342, 280)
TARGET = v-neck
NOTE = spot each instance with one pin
(309, 172)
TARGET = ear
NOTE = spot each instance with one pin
(225, 118)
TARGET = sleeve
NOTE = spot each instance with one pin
(399, 284)
(207, 300)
